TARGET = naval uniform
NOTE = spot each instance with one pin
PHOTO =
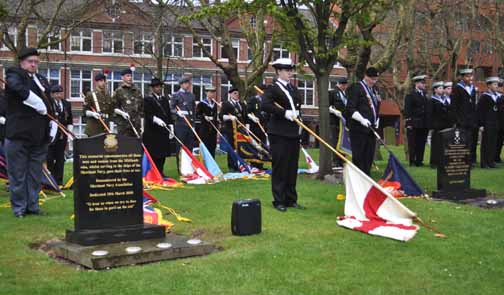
(463, 101)
(56, 152)
(254, 107)
(206, 131)
(500, 135)
(237, 109)
(362, 99)
(416, 111)
(284, 136)
(442, 118)
(186, 102)
(488, 118)
(337, 99)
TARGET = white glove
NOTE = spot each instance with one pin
(377, 125)
(158, 122)
(208, 118)
(247, 126)
(335, 112)
(172, 131)
(35, 102)
(91, 114)
(2, 120)
(358, 117)
(290, 115)
(122, 114)
(253, 118)
(482, 128)
(53, 130)
(229, 118)
(182, 114)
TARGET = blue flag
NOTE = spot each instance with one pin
(396, 176)
(209, 161)
(226, 147)
(344, 145)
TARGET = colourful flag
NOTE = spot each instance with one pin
(371, 209)
(226, 147)
(48, 182)
(3, 164)
(248, 148)
(397, 180)
(313, 168)
(151, 175)
(209, 161)
(344, 145)
(191, 170)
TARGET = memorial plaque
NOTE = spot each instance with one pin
(454, 169)
(108, 191)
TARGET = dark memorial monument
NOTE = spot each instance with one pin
(454, 169)
(108, 208)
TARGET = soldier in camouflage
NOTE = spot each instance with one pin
(128, 105)
(98, 104)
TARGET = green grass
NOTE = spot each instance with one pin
(299, 252)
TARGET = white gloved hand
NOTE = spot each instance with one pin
(482, 128)
(358, 117)
(335, 112)
(229, 118)
(122, 114)
(35, 102)
(53, 130)
(93, 115)
(158, 121)
(182, 114)
(2, 120)
(290, 115)
(377, 125)
(247, 126)
(172, 131)
(208, 118)
(253, 118)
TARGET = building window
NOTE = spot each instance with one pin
(174, 46)
(199, 83)
(225, 86)
(171, 83)
(113, 42)
(45, 41)
(305, 88)
(81, 41)
(481, 73)
(142, 81)
(80, 83)
(197, 51)
(52, 75)
(280, 52)
(113, 81)
(9, 37)
(79, 123)
(235, 43)
(143, 43)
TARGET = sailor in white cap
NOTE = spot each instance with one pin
(282, 102)
(417, 109)
(488, 120)
(463, 101)
(441, 119)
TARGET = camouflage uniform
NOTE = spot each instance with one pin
(105, 107)
(130, 100)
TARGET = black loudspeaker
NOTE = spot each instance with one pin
(246, 217)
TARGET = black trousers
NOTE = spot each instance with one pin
(363, 150)
(417, 137)
(500, 143)
(56, 159)
(285, 158)
(472, 142)
(185, 134)
(488, 147)
(436, 148)
(336, 161)
(232, 165)
(159, 162)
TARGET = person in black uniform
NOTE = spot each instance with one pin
(256, 116)
(337, 103)
(282, 102)
(56, 152)
(3, 114)
(500, 133)
(157, 120)
(206, 111)
(416, 108)
(28, 132)
(463, 101)
(488, 118)
(232, 109)
(441, 119)
(362, 113)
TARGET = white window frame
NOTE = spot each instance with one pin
(235, 43)
(46, 72)
(303, 90)
(224, 87)
(113, 39)
(113, 78)
(195, 45)
(49, 36)
(201, 81)
(144, 81)
(141, 38)
(171, 43)
(171, 83)
(281, 50)
(13, 32)
(80, 80)
(81, 40)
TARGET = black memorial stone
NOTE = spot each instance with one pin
(454, 169)
(108, 192)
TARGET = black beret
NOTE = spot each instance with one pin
(155, 82)
(100, 76)
(372, 72)
(233, 89)
(126, 72)
(56, 88)
(27, 51)
(342, 80)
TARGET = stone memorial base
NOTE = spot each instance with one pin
(116, 235)
(114, 255)
(459, 195)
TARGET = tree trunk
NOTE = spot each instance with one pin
(325, 156)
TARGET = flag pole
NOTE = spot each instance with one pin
(190, 126)
(102, 122)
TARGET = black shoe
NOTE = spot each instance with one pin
(19, 215)
(280, 208)
(297, 206)
(39, 213)
(492, 165)
(419, 164)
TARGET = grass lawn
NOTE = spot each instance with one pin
(298, 252)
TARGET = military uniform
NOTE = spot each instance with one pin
(463, 101)
(237, 109)
(104, 105)
(488, 113)
(338, 100)
(500, 134)
(206, 131)
(442, 118)
(128, 99)
(254, 108)
(3, 114)
(186, 103)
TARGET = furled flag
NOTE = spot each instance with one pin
(209, 161)
(397, 180)
(226, 147)
(312, 165)
(248, 148)
(191, 170)
(48, 182)
(344, 145)
(151, 175)
(3, 164)
(371, 209)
